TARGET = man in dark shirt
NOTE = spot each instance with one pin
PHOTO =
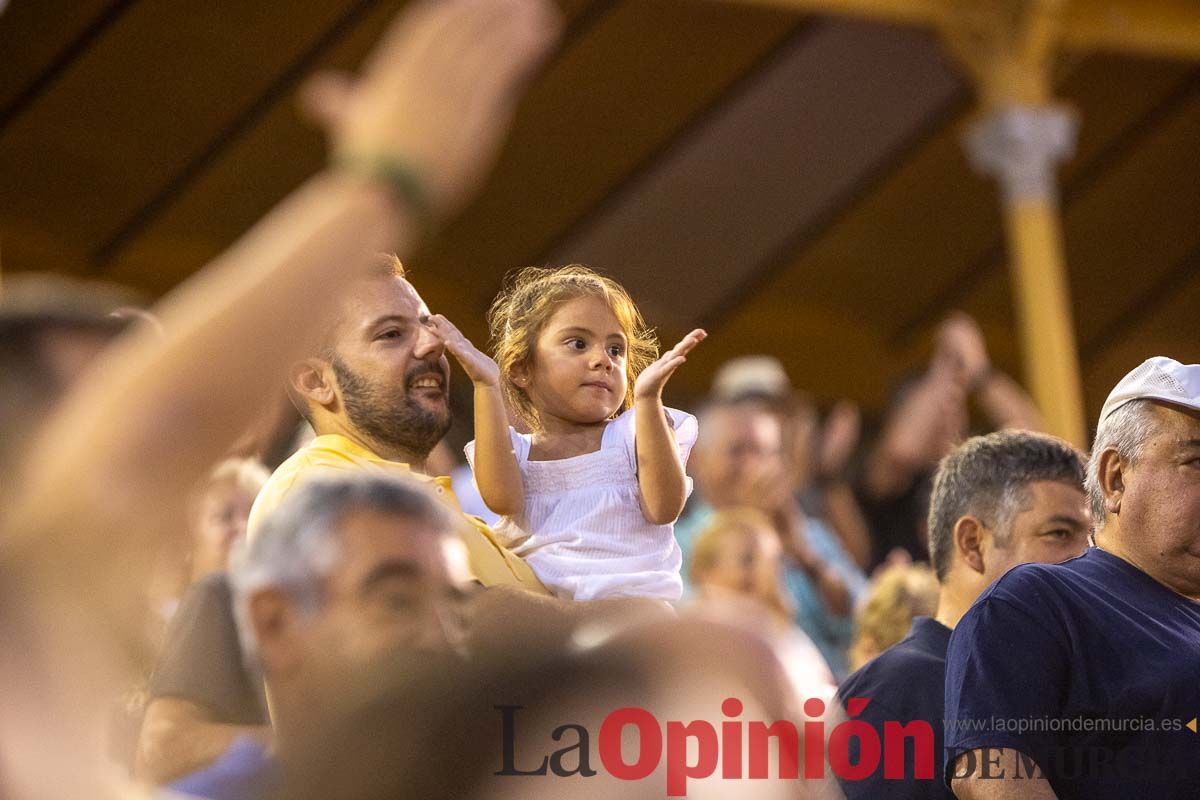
(998, 500)
(202, 697)
(1080, 680)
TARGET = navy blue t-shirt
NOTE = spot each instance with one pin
(905, 682)
(1090, 667)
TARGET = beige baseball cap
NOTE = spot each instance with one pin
(750, 376)
(1158, 378)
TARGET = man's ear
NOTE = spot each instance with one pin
(312, 380)
(275, 622)
(1111, 474)
(968, 534)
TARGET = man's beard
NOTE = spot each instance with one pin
(389, 417)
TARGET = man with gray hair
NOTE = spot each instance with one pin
(1081, 679)
(346, 572)
(999, 500)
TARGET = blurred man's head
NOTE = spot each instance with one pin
(220, 508)
(51, 329)
(346, 572)
(1004, 499)
(382, 376)
(433, 731)
(739, 440)
(1144, 474)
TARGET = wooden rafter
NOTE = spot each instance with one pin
(1167, 28)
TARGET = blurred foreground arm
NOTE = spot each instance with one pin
(113, 467)
(436, 96)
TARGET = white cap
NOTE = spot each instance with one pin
(751, 375)
(1158, 378)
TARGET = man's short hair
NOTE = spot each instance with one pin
(297, 546)
(1125, 430)
(988, 477)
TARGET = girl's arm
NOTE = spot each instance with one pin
(496, 470)
(661, 479)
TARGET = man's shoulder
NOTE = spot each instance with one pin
(324, 451)
(324, 455)
(1035, 583)
(901, 677)
(207, 591)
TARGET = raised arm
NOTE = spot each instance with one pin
(111, 471)
(1007, 404)
(839, 437)
(495, 463)
(961, 345)
(435, 97)
(661, 479)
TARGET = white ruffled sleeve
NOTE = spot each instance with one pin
(520, 447)
(684, 424)
(687, 429)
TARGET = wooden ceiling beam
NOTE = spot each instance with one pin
(906, 12)
(1165, 28)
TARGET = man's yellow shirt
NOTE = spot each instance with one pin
(333, 453)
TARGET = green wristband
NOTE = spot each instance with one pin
(395, 173)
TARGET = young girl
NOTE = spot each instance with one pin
(590, 496)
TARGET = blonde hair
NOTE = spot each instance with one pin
(740, 521)
(896, 596)
(526, 303)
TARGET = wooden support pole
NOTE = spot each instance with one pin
(1021, 138)
(1043, 307)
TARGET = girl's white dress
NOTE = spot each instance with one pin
(582, 531)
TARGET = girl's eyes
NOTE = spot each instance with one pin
(614, 350)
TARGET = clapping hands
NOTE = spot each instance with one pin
(650, 383)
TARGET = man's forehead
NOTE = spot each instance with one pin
(1178, 421)
(1057, 496)
(374, 298)
(741, 421)
(371, 536)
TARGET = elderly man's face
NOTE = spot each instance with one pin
(1051, 527)
(398, 585)
(392, 373)
(1160, 503)
(738, 443)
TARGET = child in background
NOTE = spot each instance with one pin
(588, 498)
(898, 593)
